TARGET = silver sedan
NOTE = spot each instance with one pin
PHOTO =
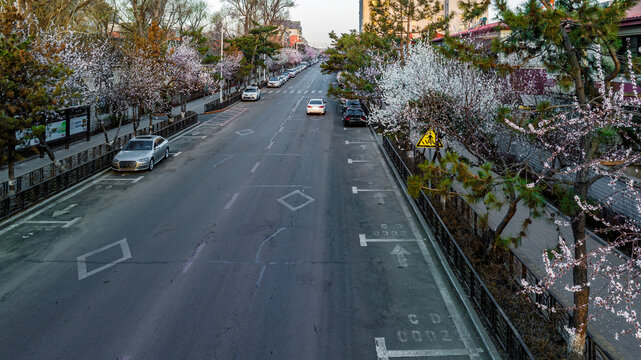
(141, 153)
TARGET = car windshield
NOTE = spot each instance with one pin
(250, 90)
(353, 103)
(354, 112)
(138, 145)
(273, 79)
(316, 102)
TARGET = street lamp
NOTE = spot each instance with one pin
(222, 79)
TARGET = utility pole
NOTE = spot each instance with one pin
(222, 79)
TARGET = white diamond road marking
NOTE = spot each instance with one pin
(293, 193)
(245, 132)
(82, 259)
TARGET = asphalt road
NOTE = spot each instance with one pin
(268, 234)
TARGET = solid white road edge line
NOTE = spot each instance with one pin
(476, 321)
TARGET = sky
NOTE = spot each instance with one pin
(318, 18)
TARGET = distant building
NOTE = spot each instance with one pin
(456, 24)
(290, 34)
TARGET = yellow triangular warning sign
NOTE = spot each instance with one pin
(429, 140)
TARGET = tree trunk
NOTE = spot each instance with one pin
(511, 211)
(10, 159)
(580, 270)
(43, 146)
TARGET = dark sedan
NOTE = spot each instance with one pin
(351, 104)
(354, 116)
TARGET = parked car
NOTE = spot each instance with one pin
(290, 73)
(275, 81)
(251, 93)
(141, 153)
(316, 106)
(283, 78)
(354, 116)
(350, 103)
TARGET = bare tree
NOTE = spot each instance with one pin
(274, 11)
(246, 11)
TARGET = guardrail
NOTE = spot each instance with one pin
(488, 309)
(48, 180)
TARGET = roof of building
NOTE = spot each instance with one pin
(634, 12)
(475, 31)
(289, 24)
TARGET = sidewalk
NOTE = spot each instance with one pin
(542, 235)
(35, 162)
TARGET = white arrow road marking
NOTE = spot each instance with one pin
(63, 211)
(383, 354)
(67, 223)
(364, 240)
(400, 253)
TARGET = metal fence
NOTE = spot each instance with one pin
(489, 310)
(46, 181)
(215, 104)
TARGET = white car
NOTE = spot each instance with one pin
(275, 81)
(141, 153)
(316, 106)
(251, 93)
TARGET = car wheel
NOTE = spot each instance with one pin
(167, 153)
(151, 164)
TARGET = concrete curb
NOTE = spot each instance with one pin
(493, 352)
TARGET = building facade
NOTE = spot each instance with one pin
(449, 6)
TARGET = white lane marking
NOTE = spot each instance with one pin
(63, 211)
(271, 141)
(68, 224)
(364, 240)
(260, 247)
(347, 142)
(260, 279)
(176, 154)
(278, 186)
(313, 91)
(356, 190)
(223, 160)
(383, 354)
(282, 125)
(192, 257)
(306, 91)
(82, 259)
(308, 200)
(111, 178)
(255, 167)
(277, 91)
(351, 161)
(400, 253)
(299, 91)
(435, 271)
(231, 202)
(245, 132)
